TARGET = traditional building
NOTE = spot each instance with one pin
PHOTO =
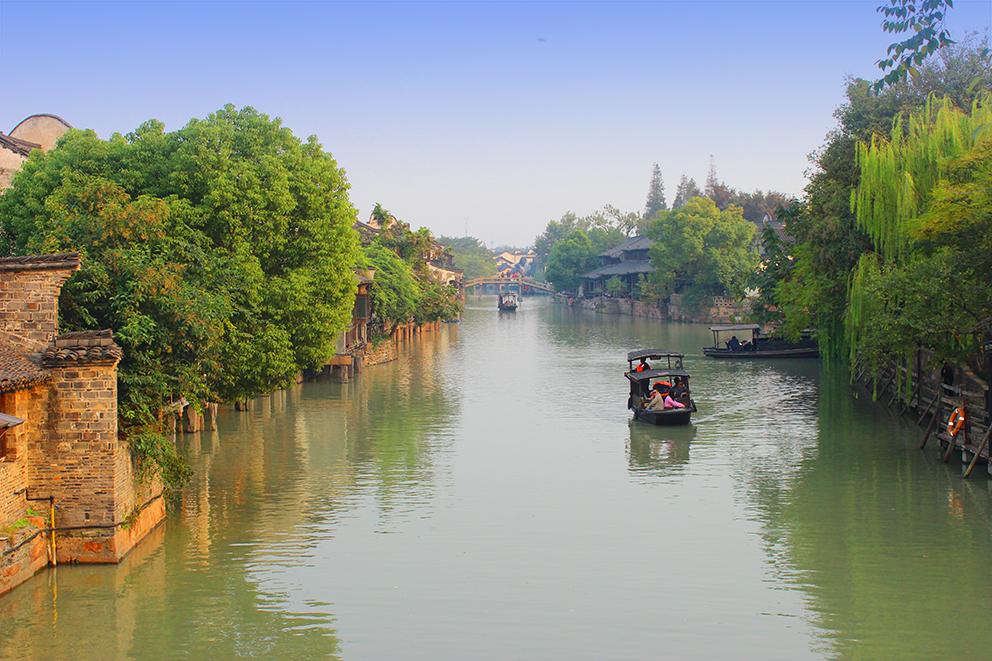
(627, 261)
(68, 492)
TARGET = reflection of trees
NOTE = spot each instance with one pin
(889, 546)
(218, 581)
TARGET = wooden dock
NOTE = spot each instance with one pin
(938, 405)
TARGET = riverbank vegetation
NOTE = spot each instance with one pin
(220, 254)
(404, 288)
(889, 249)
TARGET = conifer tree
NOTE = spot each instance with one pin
(686, 191)
(656, 195)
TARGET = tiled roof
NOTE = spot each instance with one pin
(628, 267)
(65, 260)
(16, 145)
(82, 347)
(17, 371)
(633, 243)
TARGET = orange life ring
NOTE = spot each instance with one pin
(955, 422)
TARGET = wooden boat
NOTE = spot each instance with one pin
(507, 302)
(757, 345)
(667, 369)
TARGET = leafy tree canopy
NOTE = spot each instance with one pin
(471, 256)
(700, 250)
(220, 253)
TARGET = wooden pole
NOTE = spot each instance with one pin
(891, 376)
(933, 423)
(929, 406)
(950, 442)
(978, 452)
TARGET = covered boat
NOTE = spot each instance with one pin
(668, 375)
(758, 345)
(508, 302)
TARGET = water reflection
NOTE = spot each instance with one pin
(488, 497)
(659, 451)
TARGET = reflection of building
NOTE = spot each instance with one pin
(61, 455)
(35, 132)
(627, 261)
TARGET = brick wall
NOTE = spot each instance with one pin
(29, 306)
(79, 460)
(30, 404)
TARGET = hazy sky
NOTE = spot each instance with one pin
(494, 117)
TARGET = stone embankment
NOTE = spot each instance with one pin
(722, 311)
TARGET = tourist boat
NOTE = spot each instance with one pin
(667, 368)
(759, 345)
(508, 302)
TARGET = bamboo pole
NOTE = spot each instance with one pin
(978, 452)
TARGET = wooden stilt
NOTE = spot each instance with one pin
(916, 392)
(887, 382)
(950, 447)
(978, 452)
(933, 423)
(930, 406)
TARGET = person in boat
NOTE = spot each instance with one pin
(681, 391)
(657, 400)
(645, 386)
(733, 343)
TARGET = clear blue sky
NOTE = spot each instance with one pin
(495, 116)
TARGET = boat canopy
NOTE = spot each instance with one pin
(735, 327)
(656, 374)
(652, 354)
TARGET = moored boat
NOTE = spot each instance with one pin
(758, 345)
(668, 377)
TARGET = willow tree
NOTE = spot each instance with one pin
(922, 192)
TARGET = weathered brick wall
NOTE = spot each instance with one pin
(78, 460)
(31, 405)
(29, 307)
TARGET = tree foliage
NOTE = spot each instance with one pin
(687, 189)
(220, 253)
(924, 199)
(656, 195)
(404, 288)
(700, 250)
(924, 20)
(471, 256)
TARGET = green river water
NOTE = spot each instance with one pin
(487, 496)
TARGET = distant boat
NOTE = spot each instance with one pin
(667, 374)
(758, 345)
(508, 302)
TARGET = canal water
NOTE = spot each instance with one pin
(487, 496)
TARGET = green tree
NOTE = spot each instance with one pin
(569, 259)
(471, 256)
(394, 291)
(656, 195)
(924, 20)
(687, 189)
(700, 251)
(256, 219)
(924, 201)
